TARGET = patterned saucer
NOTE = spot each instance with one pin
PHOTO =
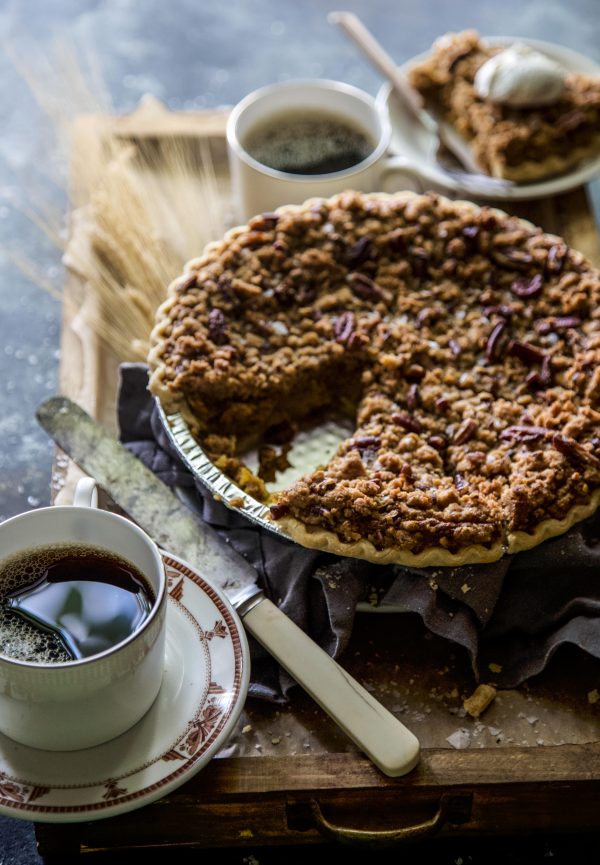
(203, 692)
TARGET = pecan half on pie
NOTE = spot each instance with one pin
(467, 342)
(524, 117)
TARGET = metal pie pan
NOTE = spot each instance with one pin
(315, 447)
(310, 448)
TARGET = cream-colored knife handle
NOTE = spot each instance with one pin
(387, 742)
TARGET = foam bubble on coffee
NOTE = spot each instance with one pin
(20, 640)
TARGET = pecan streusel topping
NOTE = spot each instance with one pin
(521, 144)
(466, 341)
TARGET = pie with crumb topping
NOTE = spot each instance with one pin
(466, 342)
(520, 144)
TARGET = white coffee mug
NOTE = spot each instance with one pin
(80, 703)
(258, 188)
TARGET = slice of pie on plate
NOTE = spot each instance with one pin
(524, 117)
(465, 341)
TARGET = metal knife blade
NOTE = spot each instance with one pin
(156, 509)
(149, 501)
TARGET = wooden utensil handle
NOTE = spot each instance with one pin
(386, 741)
(364, 39)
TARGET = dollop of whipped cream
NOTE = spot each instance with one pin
(520, 77)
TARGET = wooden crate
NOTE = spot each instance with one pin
(289, 777)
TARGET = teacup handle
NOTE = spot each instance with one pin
(400, 166)
(86, 493)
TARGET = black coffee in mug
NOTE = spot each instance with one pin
(65, 602)
(308, 141)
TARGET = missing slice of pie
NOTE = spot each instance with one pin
(518, 142)
(467, 341)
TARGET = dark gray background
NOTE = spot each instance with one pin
(190, 54)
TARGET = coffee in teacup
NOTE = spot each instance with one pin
(62, 602)
(308, 142)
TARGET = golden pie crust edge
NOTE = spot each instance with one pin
(322, 539)
(476, 554)
(546, 169)
(520, 541)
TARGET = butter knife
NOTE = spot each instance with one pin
(154, 507)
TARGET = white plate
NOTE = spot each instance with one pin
(412, 141)
(203, 692)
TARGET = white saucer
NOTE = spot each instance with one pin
(416, 144)
(206, 680)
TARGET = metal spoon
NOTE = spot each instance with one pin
(448, 142)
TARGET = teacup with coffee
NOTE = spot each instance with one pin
(82, 625)
(302, 139)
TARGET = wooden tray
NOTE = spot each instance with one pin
(288, 775)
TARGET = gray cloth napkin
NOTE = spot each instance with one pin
(512, 614)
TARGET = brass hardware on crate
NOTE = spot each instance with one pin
(453, 808)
